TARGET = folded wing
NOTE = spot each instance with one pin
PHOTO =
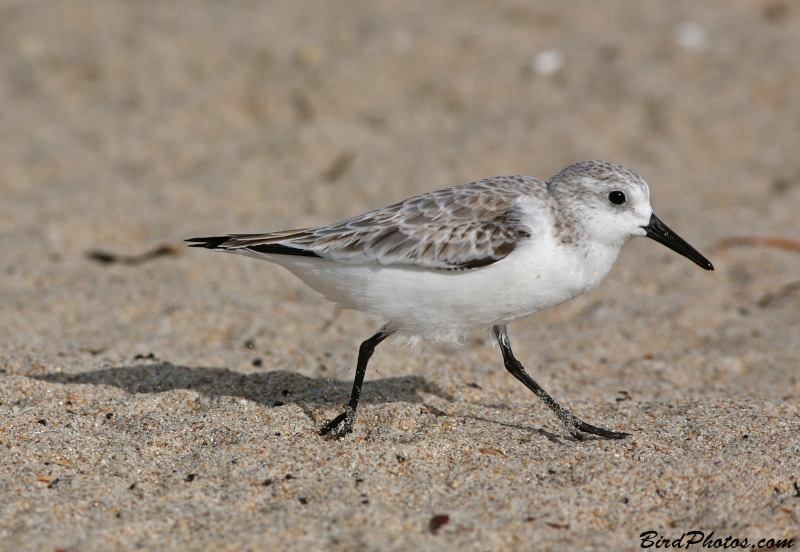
(458, 228)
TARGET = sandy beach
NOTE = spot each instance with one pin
(155, 397)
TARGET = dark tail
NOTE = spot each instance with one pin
(208, 243)
(218, 243)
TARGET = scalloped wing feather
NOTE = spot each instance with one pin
(456, 228)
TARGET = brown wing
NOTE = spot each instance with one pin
(458, 228)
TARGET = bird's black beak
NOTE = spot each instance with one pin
(659, 232)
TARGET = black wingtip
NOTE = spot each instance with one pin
(218, 243)
(208, 243)
(280, 249)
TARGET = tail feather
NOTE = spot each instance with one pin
(209, 243)
(218, 243)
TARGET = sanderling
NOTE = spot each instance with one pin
(475, 257)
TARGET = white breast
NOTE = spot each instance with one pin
(444, 305)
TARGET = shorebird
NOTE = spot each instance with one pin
(470, 258)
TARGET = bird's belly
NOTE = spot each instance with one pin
(444, 305)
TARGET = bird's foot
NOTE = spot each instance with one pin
(349, 419)
(577, 428)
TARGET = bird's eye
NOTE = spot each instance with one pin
(616, 197)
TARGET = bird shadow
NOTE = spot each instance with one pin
(272, 389)
(552, 437)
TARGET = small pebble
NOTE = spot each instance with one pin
(691, 37)
(549, 62)
(437, 522)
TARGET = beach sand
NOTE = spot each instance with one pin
(171, 401)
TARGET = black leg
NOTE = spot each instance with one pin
(351, 410)
(574, 425)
